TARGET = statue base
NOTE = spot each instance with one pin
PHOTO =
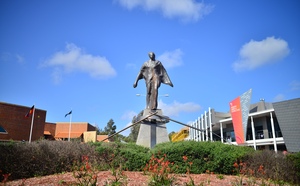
(152, 130)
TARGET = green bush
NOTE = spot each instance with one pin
(23, 160)
(295, 158)
(205, 156)
(132, 157)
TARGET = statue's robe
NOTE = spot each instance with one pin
(154, 74)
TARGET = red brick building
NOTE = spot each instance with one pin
(15, 126)
(77, 129)
(49, 130)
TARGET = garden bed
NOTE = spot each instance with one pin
(131, 179)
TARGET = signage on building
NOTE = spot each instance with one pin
(239, 109)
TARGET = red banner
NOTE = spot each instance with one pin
(236, 115)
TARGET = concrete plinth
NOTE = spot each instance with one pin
(152, 130)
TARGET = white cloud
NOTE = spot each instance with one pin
(190, 122)
(175, 108)
(257, 53)
(127, 131)
(295, 85)
(187, 10)
(171, 59)
(56, 76)
(73, 59)
(279, 97)
(128, 115)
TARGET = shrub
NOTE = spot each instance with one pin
(205, 156)
(133, 157)
(84, 173)
(160, 171)
(295, 158)
(276, 166)
(23, 160)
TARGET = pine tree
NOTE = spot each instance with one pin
(110, 127)
(134, 132)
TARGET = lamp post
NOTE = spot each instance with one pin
(165, 95)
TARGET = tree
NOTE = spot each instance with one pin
(134, 132)
(110, 127)
(99, 130)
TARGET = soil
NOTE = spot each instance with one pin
(131, 179)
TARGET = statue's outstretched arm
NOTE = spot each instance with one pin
(135, 84)
(140, 76)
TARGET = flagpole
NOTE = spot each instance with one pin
(70, 126)
(31, 124)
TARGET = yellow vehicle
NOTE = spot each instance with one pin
(181, 135)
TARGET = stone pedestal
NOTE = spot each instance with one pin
(152, 130)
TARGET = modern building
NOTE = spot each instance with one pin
(15, 126)
(274, 126)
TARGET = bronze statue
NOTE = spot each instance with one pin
(154, 74)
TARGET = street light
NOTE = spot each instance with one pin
(165, 95)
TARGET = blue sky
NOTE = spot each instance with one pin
(85, 55)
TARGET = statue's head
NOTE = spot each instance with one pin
(151, 55)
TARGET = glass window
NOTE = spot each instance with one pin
(230, 137)
(2, 130)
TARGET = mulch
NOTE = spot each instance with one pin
(131, 179)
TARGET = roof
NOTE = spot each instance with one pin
(260, 106)
(76, 123)
(66, 135)
(47, 133)
(288, 116)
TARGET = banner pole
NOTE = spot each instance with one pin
(70, 126)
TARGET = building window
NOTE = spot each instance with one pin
(230, 136)
(2, 130)
(276, 127)
(259, 132)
